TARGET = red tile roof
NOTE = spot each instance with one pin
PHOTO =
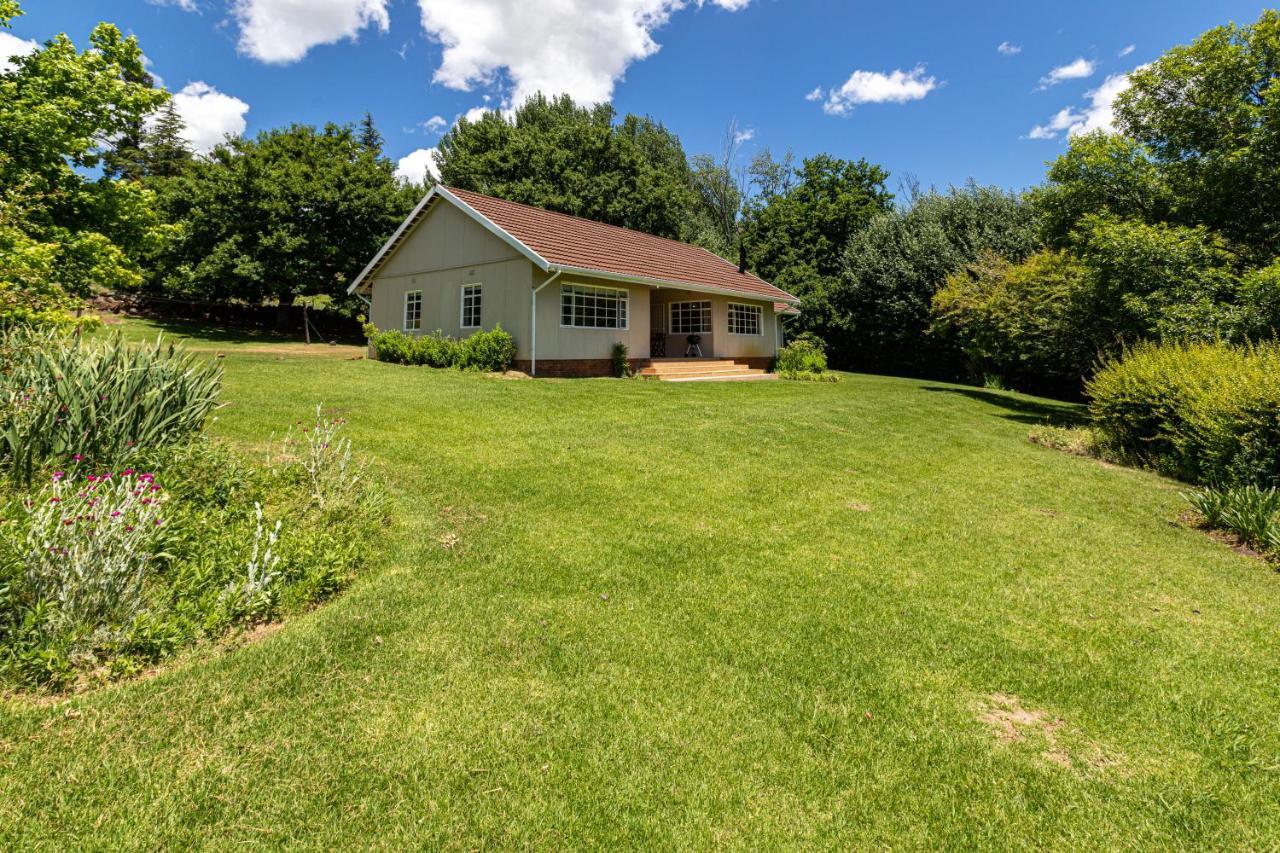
(565, 240)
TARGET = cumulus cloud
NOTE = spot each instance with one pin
(578, 47)
(1098, 114)
(874, 87)
(1075, 70)
(10, 46)
(417, 165)
(435, 124)
(209, 115)
(1009, 49)
(815, 94)
(281, 31)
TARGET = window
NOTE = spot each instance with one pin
(689, 318)
(471, 306)
(587, 307)
(744, 319)
(413, 311)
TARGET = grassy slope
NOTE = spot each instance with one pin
(664, 621)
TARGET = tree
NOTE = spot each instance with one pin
(295, 212)
(560, 156)
(166, 153)
(1027, 323)
(370, 138)
(891, 270)
(1209, 114)
(58, 109)
(1100, 173)
(797, 228)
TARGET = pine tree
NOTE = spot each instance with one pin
(165, 150)
(126, 159)
(370, 139)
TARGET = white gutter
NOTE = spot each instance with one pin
(533, 323)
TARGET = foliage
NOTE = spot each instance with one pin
(1099, 173)
(555, 154)
(1163, 282)
(1204, 412)
(1250, 513)
(324, 455)
(59, 110)
(95, 404)
(89, 545)
(618, 361)
(1027, 323)
(1208, 114)
(798, 227)
(100, 595)
(261, 217)
(881, 305)
(491, 351)
(804, 354)
(1078, 441)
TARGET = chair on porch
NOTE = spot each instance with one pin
(657, 345)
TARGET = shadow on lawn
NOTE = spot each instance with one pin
(1021, 409)
(225, 334)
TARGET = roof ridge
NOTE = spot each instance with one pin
(601, 224)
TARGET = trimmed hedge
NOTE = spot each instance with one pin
(491, 351)
(1205, 413)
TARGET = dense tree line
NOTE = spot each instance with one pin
(1164, 230)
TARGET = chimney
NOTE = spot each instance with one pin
(742, 257)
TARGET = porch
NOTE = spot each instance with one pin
(705, 369)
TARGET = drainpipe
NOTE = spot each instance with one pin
(533, 323)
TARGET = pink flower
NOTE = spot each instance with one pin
(55, 500)
(115, 514)
(127, 472)
(78, 458)
(58, 475)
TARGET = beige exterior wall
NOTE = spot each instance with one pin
(718, 342)
(448, 250)
(556, 341)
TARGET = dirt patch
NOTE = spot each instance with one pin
(1012, 723)
(858, 506)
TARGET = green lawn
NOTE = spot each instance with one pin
(751, 615)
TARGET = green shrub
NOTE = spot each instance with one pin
(804, 358)
(68, 400)
(1207, 413)
(491, 351)
(618, 361)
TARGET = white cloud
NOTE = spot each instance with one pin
(578, 47)
(745, 135)
(1128, 50)
(874, 87)
(415, 166)
(1009, 49)
(1075, 70)
(184, 5)
(476, 113)
(282, 31)
(1098, 114)
(815, 95)
(209, 115)
(11, 45)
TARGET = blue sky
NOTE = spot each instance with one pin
(921, 87)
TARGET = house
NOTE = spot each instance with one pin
(568, 288)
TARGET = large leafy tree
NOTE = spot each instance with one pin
(1209, 113)
(797, 227)
(295, 212)
(60, 109)
(555, 154)
(892, 269)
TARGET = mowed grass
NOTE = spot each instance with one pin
(770, 615)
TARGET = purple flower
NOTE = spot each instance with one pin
(78, 458)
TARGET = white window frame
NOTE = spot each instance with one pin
(750, 309)
(569, 287)
(705, 328)
(478, 287)
(405, 317)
